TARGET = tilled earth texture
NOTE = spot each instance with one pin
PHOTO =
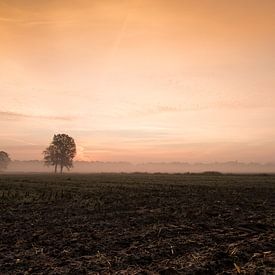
(137, 224)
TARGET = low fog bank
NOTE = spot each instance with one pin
(172, 167)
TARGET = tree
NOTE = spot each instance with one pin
(4, 160)
(61, 152)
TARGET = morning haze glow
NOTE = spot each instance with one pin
(139, 80)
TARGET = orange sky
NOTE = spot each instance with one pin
(139, 80)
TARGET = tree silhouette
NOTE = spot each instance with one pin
(4, 160)
(61, 152)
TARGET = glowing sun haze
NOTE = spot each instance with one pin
(139, 80)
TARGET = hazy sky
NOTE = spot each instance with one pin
(139, 80)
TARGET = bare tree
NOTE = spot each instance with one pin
(4, 160)
(61, 152)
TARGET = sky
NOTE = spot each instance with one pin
(139, 80)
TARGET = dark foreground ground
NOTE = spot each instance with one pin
(137, 224)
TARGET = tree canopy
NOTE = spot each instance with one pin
(4, 160)
(60, 152)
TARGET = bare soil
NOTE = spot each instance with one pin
(137, 224)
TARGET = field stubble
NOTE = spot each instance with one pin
(137, 224)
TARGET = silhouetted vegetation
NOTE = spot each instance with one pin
(212, 173)
(4, 160)
(61, 152)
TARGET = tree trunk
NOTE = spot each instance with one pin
(61, 169)
(55, 168)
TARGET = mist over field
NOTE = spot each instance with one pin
(153, 167)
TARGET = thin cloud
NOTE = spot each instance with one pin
(4, 19)
(49, 22)
(37, 22)
(160, 109)
(19, 116)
